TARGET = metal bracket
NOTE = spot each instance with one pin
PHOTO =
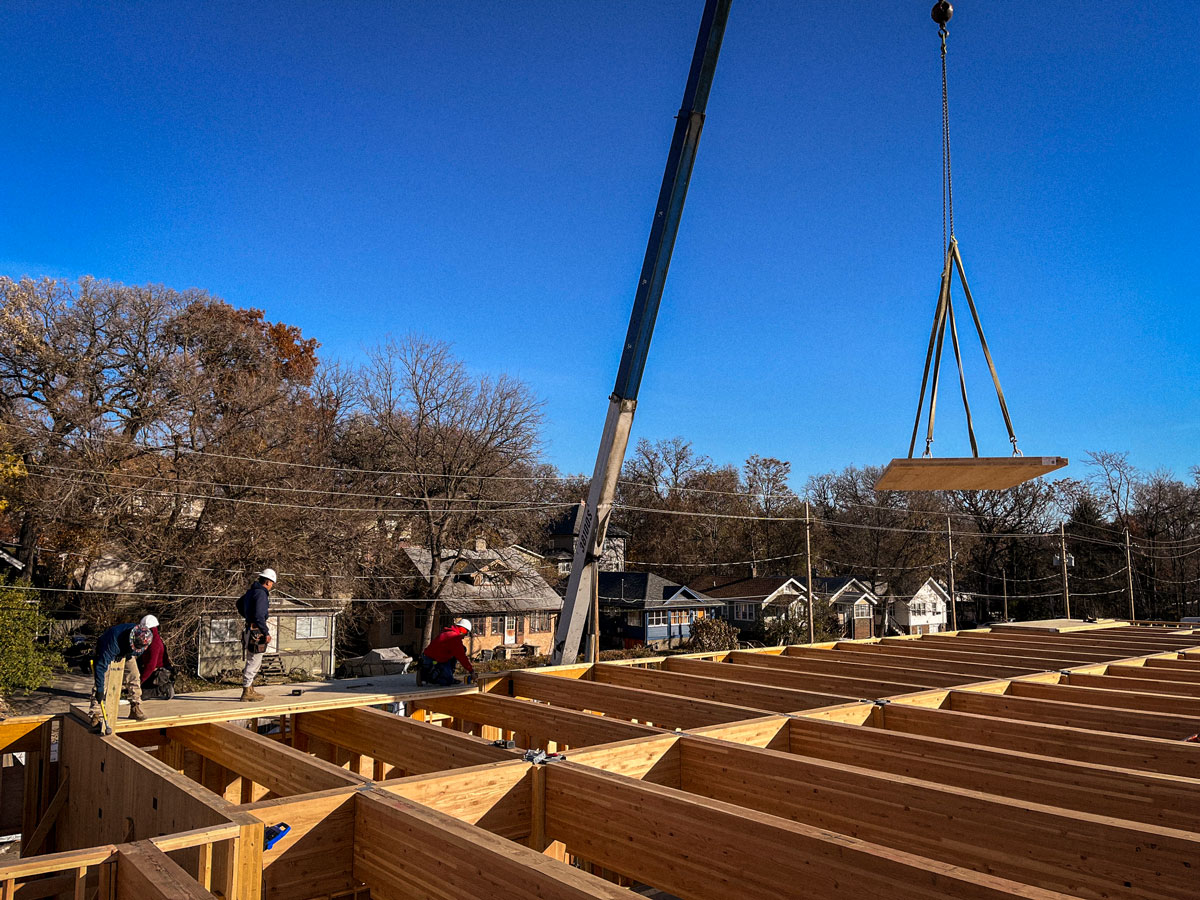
(505, 745)
(880, 702)
(540, 757)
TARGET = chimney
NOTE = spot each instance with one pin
(480, 544)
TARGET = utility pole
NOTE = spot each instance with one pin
(1062, 549)
(812, 632)
(1129, 575)
(950, 553)
(1004, 587)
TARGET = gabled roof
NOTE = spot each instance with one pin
(645, 589)
(842, 589)
(568, 524)
(516, 587)
(748, 588)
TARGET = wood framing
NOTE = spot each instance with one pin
(1039, 763)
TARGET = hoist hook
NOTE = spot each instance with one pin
(941, 13)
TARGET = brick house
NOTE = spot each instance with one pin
(852, 601)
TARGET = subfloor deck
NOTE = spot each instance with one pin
(279, 699)
(980, 765)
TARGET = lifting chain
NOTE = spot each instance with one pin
(941, 13)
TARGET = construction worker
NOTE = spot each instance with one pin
(252, 606)
(437, 660)
(158, 680)
(120, 643)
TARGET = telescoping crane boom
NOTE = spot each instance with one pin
(583, 584)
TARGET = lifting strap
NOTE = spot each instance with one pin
(944, 311)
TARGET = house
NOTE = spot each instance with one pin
(564, 531)
(303, 636)
(924, 612)
(751, 603)
(640, 609)
(852, 601)
(504, 595)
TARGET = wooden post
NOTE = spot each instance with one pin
(950, 555)
(1004, 588)
(1066, 589)
(1129, 575)
(812, 634)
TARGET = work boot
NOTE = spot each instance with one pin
(250, 695)
(135, 712)
(96, 723)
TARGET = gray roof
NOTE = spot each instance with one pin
(509, 582)
(648, 590)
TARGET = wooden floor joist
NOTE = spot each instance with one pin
(1042, 762)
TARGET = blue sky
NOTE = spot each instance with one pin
(485, 173)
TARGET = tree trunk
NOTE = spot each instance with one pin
(430, 621)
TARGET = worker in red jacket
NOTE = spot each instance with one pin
(437, 660)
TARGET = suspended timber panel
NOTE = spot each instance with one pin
(965, 473)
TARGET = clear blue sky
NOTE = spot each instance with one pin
(485, 173)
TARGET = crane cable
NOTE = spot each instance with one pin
(941, 13)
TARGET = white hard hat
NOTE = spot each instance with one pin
(463, 623)
(268, 574)
(149, 621)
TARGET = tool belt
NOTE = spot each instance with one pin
(255, 639)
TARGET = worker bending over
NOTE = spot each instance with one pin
(119, 644)
(437, 660)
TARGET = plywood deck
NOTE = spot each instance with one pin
(965, 473)
(224, 705)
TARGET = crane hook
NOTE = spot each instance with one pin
(942, 12)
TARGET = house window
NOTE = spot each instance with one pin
(539, 622)
(862, 610)
(633, 618)
(657, 617)
(224, 631)
(497, 624)
(310, 627)
(698, 614)
(420, 617)
(743, 612)
(397, 621)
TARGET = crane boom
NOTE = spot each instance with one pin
(582, 585)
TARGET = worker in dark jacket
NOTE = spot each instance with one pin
(253, 607)
(437, 660)
(119, 644)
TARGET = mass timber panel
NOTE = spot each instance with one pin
(875, 654)
(496, 797)
(406, 851)
(410, 746)
(1076, 715)
(964, 473)
(1136, 686)
(906, 650)
(841, 665)
(635, 704)
(315, 858)
(759, 697)
(120, 794)
(146, 873)
(1103, 857)
(281, 769)
(700, 848)
(1169, 757)
(1156, 799)
(537, 722)
(845, 685)
(1147, 673)
(770, 732)
(1049, 658)
(223, 706)
(1098, 651)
